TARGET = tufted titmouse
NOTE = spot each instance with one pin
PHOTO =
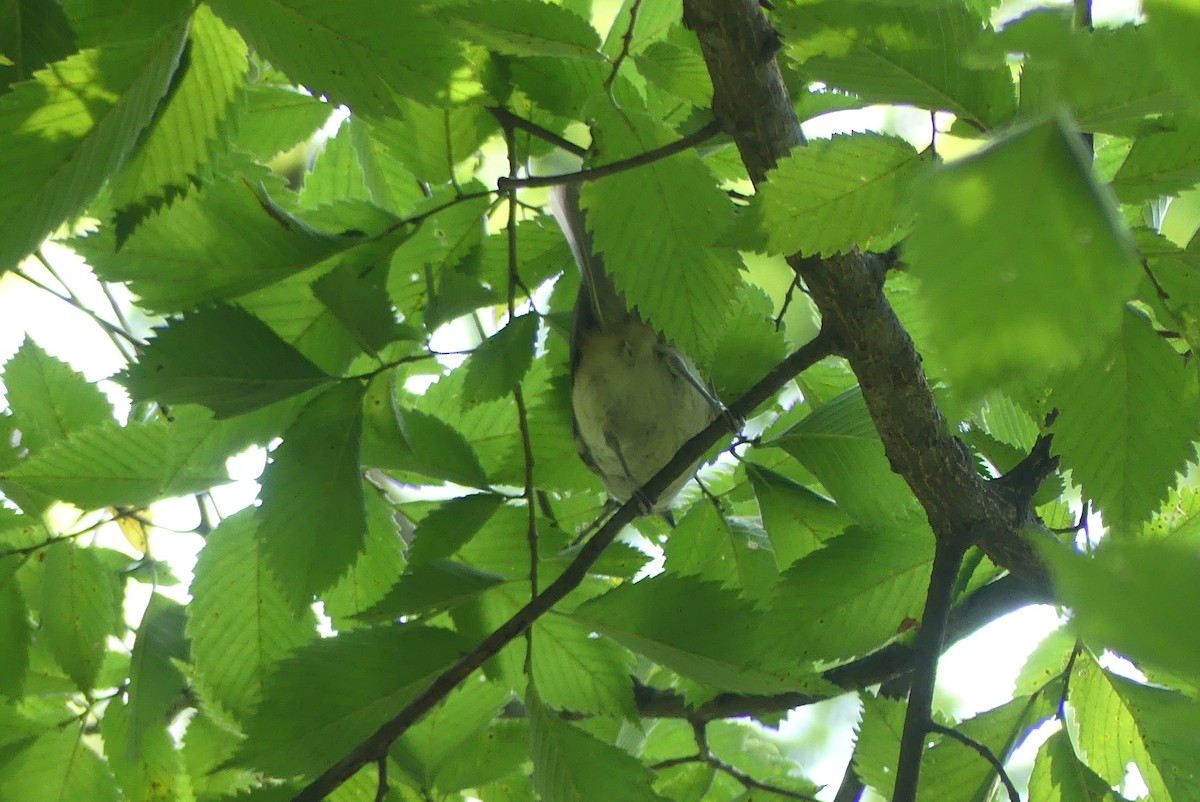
(635, 396)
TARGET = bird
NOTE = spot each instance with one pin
(636, 397)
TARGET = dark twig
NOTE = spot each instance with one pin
(381, 784)
(55, 539)
(573, 574)
(677, 761)
(626, 45)
(641, 160)
(748, 782)
(984, 752)
(531, 532)
(787, 302)
(71, 299)
(852, 787)
(507, 118)
(927, 650)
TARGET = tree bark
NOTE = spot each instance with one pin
(751, 101)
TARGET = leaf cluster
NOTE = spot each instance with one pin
(299, 200)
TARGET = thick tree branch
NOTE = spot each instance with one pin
(751, 101)
(377, 744)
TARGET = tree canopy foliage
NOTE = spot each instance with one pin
(960, 332)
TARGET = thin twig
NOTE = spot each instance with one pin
(108, 327)
(116, 307)
(54, 540)
(984, 752)
(641, 160)
(787, 302)
(626, 45)
(381, 784)
(531, 532)
(420, 218)
(506, 117)
(700, 732)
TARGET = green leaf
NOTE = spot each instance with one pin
(1174, 26)
(952, 769)
(1047, 662)
(207, 746)
(357, 299)
(1169, 722)
(377, 568)
(213, 244)
(224, 358)
(1133, 597)
(837, 195)
(694, 627)
(678, 70)
(839, 444)
(149, 773)
(330, 695)
(58, 766)
(1109, 735)
(79, 607)
(48, 398)
(398, 439)
(797, 520)
(895, 55)
(1162, 163)
(578, 673)
(66, 130)
(1023, 261)
(15, 633)
(878, 743)
(642, 24)
(431, 586)
(452, 726)
(558, 86)
(657, 228)
(748, 348)
(33, 33)
(1059, 776)
(391, 184)
(313, 516)
(337, 175)
(499, 751)
(112, 465)
(437, 449)
(1126, 423)
(182, 136)
(850, 597)
(571, 765)
(353, 52)
(450, 525)
(1103, 75)
(278, 118)
(239, 623)
(524, 28)
(707, 545)
(501, 361)
(427, 143)
(1004, 420)
(155, 683)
